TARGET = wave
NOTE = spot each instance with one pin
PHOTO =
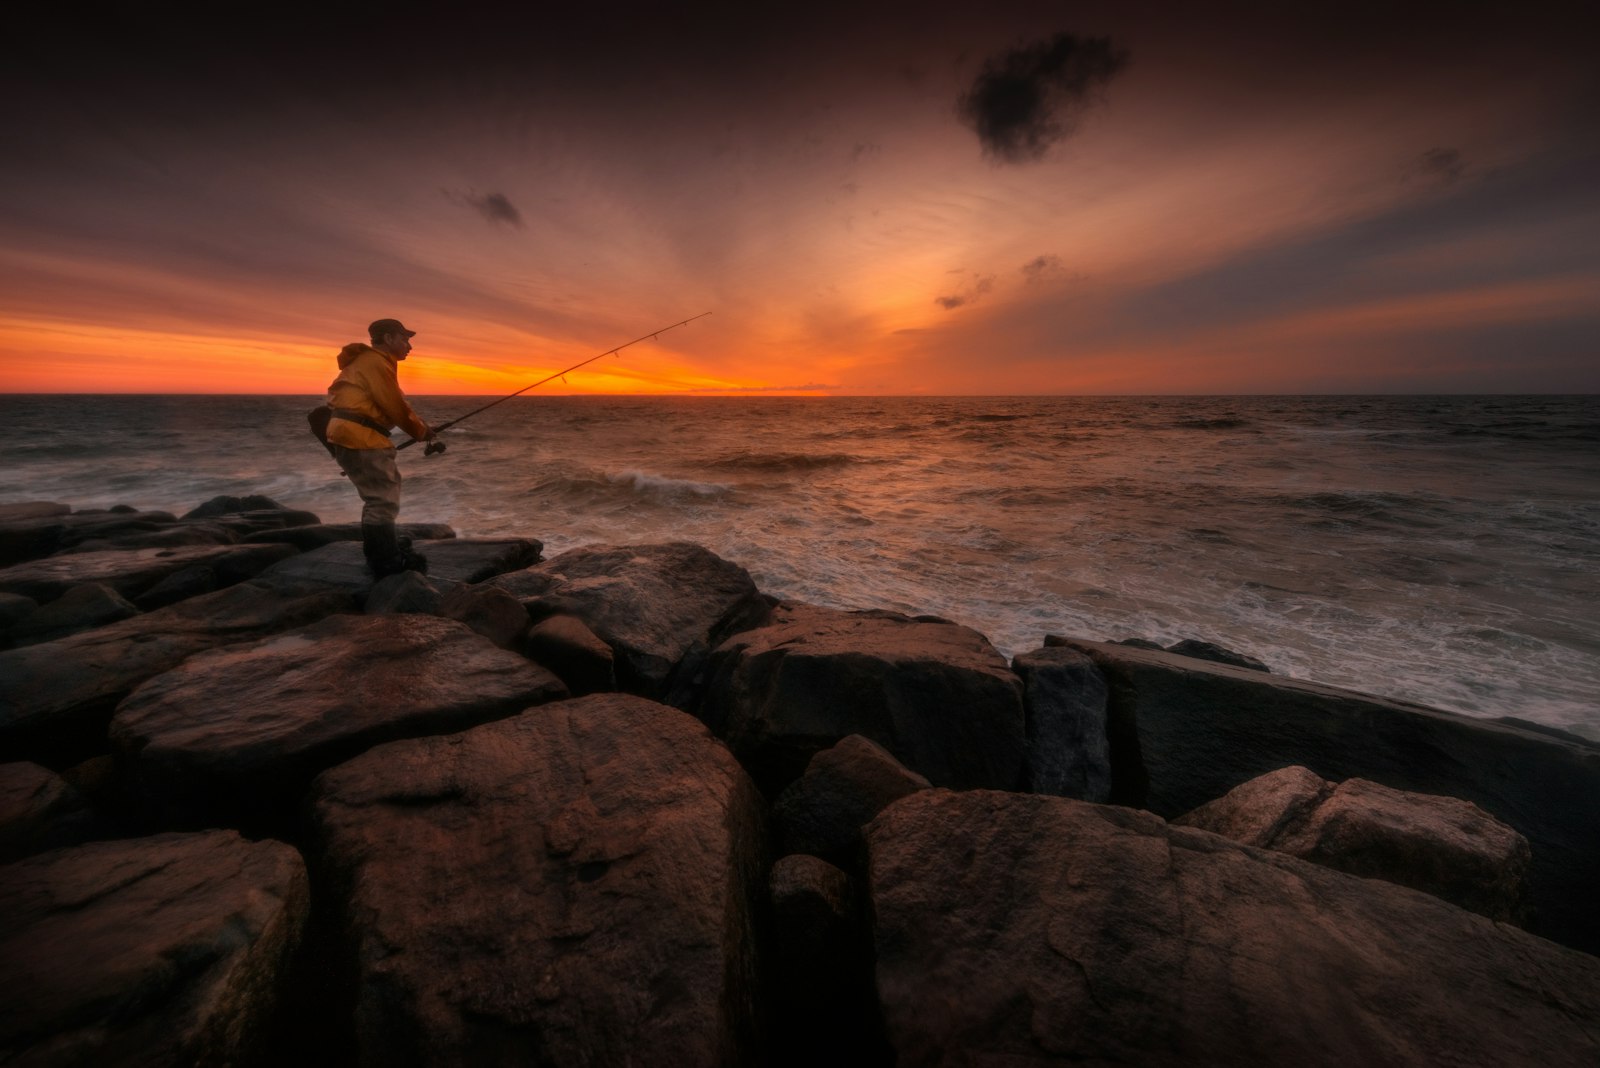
(1220, 423)
(784, 461)
(627, 487)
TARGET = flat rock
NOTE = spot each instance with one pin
(243, 730)
(936, 695)
(1022, 929)
(1064, 699)
(39, 810)
(409, 591)
(80, 608)
(163, 950)
(478, 559)
(56, 698)
(342, 564)
(316, 536)
(132, 571)
(843, 788)
(1442, 846)
(575, 885)
(10, 513)
(1199, 730)
(661, 608)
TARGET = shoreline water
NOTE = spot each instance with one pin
(1438, 550)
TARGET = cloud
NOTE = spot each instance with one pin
(969, 294)
(1442, 165)
(1043, 267)
(494, 207)
(1033, 96)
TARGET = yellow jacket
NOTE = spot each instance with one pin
(368, 384)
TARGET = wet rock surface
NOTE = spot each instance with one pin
(661, 608)
(1442, 846)
(935, 694)
(243, 730)
(1025, 929)
(1202, 729)
(571, 886)
(57, 697)
(181, 944)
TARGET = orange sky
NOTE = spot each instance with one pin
(1248, 206)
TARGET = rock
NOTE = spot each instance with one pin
(225, 505)
(1064, 699)
(826, 1007)
(10, 513)
(843, 788)
(569, 648)
(661, 608)
(491, 612)
(1201, 729)
(409, 591)
(306, 538)
(1442, 846)
(1023, 929)
(337, 565)
(39, 811)
(478, 559)
(29, 539)
(14, 608)
(242, 731)
(575, 885)
(56, 698)
(936, 695)
(174, 536)
(1140, 643)
(80, 608)
(1216, 654)
(163, 950)
(132, 571)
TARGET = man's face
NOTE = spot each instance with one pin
(398, 345)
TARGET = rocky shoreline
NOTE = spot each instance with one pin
(621, 807)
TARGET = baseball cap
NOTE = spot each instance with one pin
(384, 327)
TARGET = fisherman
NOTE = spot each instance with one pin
(366, 404)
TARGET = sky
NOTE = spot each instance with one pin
(992, 198)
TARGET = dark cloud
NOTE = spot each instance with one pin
(1030, 97)
(979, 287)
(1042, 267)
(494, 207)
(1442, 165)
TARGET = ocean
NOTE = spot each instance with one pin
(1444, 550)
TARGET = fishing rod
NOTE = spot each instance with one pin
(438, 446)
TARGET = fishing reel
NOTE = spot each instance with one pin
(433, 448)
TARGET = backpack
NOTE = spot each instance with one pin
(319, 417)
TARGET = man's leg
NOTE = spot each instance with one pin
(377, 478)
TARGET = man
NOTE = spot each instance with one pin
(367, 403)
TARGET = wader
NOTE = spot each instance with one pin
(377, 478)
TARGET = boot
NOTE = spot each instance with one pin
(381, 549)
(414, 561)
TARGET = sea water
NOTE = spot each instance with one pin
(1443, 550)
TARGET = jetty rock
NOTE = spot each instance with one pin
(935, 694)
(661, 608)
(1029, 930)
(575, 885)
(240, 732)
(170, 949)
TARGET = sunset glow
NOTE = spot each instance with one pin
(1255, 204)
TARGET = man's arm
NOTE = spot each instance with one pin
(384, 389)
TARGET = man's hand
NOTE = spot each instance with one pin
(433, 448)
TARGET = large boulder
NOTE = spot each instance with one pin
(843, 788)
(576, 885)
(242, 731)
(1439, 845)
(936, 695)
(39, 810)
(661, 608)
(1023, 929)
(56, 698)
(133, 571)
(163, 950)
(1064, 698)
(1197, 730)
